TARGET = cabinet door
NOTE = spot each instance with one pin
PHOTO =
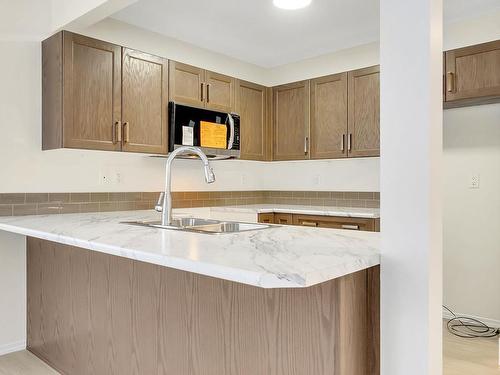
(220, 90)
(364, 112)
(251, 105)
(267, 218)
(92, 93)
(291, 121)
(473, 72)
(329, 117)
(186, 84)
(144, 102)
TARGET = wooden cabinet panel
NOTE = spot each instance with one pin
(186, 84)
(329, 117)
(267, 218)
(291, 121)
(283, 219)
(144, 102)
(336, 222)
(92, 92)
(473, 72)
(220, 91)
(251, 105)
(364, 112)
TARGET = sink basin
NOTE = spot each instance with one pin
(190, 224)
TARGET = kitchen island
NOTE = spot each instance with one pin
(283, 300)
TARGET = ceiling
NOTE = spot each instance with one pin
(257, 32)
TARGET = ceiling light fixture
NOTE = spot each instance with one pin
(291, 4)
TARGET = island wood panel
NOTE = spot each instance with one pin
(92, 92)
(251, 105)
(144, 102)
(364, 112)
(220, 92)
(92, 313)
(472, 74)
(329, 117)
(291, 121)
(186, 84)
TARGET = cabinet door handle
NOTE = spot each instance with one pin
(309, 223)
(201, 90)
(126, 132)
(306, 145)
(450, 82)
(117, 132)
(349, 142)
(208, 93)
(342, 143)
(350, 226)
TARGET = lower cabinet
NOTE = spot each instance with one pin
(336, 222)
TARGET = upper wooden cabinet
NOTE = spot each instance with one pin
(472, 75)
(81, 92)
(291, 121)
(92, 99)
(144, 102)
(364, 112)
(201, 88)
(252, 106)
(186, 84)
(329, 117)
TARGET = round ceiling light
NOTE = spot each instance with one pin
(291, 4)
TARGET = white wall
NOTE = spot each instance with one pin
(12, 292)
(472, 216)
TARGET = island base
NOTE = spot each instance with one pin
(93, 313)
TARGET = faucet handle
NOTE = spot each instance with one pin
(159, 204)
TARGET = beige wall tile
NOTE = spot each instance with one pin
(24, 209)
(79, 197)
(5, 210)
(99, 197)
(12, 198)
(37, 197)
(59, 197)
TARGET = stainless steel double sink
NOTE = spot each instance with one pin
(208, 226)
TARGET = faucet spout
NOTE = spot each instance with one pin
(166, 207)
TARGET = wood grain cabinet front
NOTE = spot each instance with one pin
(363, 138)
(291, 121)
(329, 117)
(472, 75)
(252, 105)
(266, 218)
(336, 222)
(97, 96)
(202, 88)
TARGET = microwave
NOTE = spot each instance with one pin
(216, 133)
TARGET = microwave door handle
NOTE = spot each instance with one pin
(231, 129)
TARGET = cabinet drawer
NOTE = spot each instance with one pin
(266, 218)
(335, 222)
(283, 219)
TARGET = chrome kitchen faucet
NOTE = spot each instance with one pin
(164, 204)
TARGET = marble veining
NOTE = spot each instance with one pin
(279, 257)
(369, 213)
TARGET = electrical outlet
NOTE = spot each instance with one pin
(474, 182)
(316, 180)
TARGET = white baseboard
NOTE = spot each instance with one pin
(489, 322)
(12, 347)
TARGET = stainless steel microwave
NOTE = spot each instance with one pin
(216, 133)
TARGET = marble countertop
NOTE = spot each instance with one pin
(370, 213)
(279, 257)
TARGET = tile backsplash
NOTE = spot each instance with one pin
(58, 203)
